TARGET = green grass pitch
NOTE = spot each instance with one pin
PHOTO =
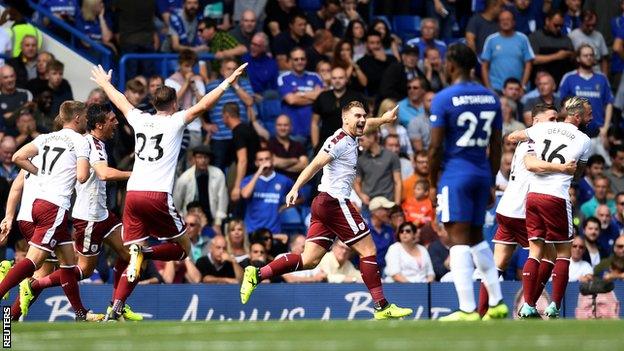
(568, 335)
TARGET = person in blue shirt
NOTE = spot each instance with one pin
(506, 54)
(265, 193)
(299, 89)
(93, 21)
(429, 33)
(183, 27)
(466, 119)
(263, 71)
(592, 85)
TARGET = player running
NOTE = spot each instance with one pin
(64, 159)
(465, 119)
(94, 224)
(149, 209)
(510, 213)
(333, 215)
(548, 207)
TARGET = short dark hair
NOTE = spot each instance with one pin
(462, 56)
(621, 193)
(593, 159)
(56, 66)
(297, 14)
(135, 86)
(372, 33)
(96, 113)
(326, 3)
(296, 48)
(187, 56)
(412, 226)
(209, 23)
(163, 98)
(588, 14)
(591, 219)
(264, 149)
(511, 80)
(232, 109)
(542, 107)
(617, 263)
(194, 204)
(554, 12)
(615, 149)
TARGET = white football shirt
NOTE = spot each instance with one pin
(339, 173)
(29, 193)
(513, 202)
(90, 204)
(558, 143)
(158, 139)
(59, 153)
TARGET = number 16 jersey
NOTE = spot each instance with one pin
(557, 143)
(158, 139)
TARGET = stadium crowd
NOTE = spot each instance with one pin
(243, 156)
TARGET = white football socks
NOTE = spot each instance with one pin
(462, 267)
(484, 260)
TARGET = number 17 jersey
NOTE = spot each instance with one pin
(158, 139)
(468, 112)
(557, 143)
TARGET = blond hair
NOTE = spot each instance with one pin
(229, 227)
(69, 110)
(575, 106)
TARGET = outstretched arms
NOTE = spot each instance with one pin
(102, 79)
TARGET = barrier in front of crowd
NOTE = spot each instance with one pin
(299, 301)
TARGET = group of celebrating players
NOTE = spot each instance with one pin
(465, 153)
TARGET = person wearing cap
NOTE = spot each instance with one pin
(395, 78)
(381, 230)
(203, 183)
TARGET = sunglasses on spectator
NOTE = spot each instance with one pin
(619, 246)
(621, 203)
(413, 88)
(201, 29)
(193, 224)
(409, 231)
(298, 58)
(266, 238)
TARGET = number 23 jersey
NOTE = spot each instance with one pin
(557, 143)
(157, 145)
(468, 112)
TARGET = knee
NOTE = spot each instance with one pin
(86, 271)
(310, 263)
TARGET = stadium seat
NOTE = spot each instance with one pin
(268, 110)
(406, 27)
(309, 5)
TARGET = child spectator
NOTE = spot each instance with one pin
(60, 88)
(419, 209)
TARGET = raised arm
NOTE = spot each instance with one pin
(213, 96)
(388, 117)
(103, 80)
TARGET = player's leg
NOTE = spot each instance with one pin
(115, 242)
(24, 268)
(18, 308)
(545, 270)
(559, 278)
(69, 282)
(502, 255)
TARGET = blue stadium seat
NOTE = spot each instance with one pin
(406, 27)
(309, 5)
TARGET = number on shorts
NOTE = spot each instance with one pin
(468, 140)
(157, 139)
(554, 154)
(46, 149)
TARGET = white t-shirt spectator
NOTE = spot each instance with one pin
(415, 270)
(579, 269)
(596, 40)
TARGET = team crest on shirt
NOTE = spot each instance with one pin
(310, 83)
(362, 226)
(278, 187)
(498, 47)
(52, 243)
(3, 106)
(433, 118)
(94, 248)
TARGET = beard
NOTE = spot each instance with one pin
(586, 66)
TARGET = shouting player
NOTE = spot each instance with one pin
(333, 215)
(465, 119)
(64, 159)
(510, 213)
(548, 207)
(149, 209)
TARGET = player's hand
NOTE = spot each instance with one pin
(237, 73)
(5, 229)
(291, 197)
(570, 167)
(391, 116)
(100, 76)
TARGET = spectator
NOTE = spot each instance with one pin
(587, 34)
(593, 170)
(19, 29)
(594, 252)
(512, 89)
(285, 43)
(618, 251)
(605, 10)
(183, 28)
(93, 21)
(237, 240)
(403, 143)
(323, 44)
(137, 33)
(439, 253)
(343, 58)
(608, 228)
(220, 135)
(289, 156)
(389, 42)
(392, 144)
(421, 171)
(502, 177)
(25, 64)
(419, 128)
(40, 82)
(398, 74)
(206, 184)
(273, 244)
(262, 70)
(278, 16)
(60, 88)
(413, 107)
(381, 230)
(97, 96)
(427, 40)
(546, 88)
(397, 217)
(218, 266)
(11, 97)
(616, 172)
(407, 261)
(337, 265)
(136, 93)
(618, 216)
(433, 68)
(65, 10)
(526, 16)
(265, 193)
(257, 256)
(601, 189)
(356, 36)
(325, 18)
(26, 127)
(178, 272)
(553, 51)
(154, 82)
(323, 69)
(510, 123)
(246, 144)
(350, 12)
(481, 25)
(222, 44)
(419, 208)
(8, 170)
(378, 171)
(375, 62)
(572, 17)
(579, 270)
(246, 29)
(199, 245)
(506, 53)
(327, 108)
(298, 90)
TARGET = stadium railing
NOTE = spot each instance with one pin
(103, 55)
